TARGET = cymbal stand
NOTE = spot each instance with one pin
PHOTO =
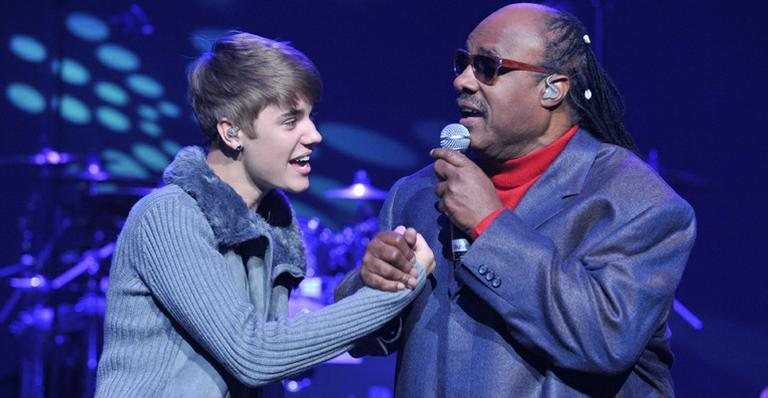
(33, 323)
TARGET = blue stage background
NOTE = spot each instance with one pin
(104, 84)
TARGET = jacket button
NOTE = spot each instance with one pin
(482, 269)
(490, 275)
(496, 282)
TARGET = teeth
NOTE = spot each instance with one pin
(301, 160)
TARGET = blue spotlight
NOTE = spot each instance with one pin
(110, 93)
(73, 72)
(148, 112)
(120, 164)
(150, 156)
(117, 57)
(73, 110)
(113, 119)
(144, 85)
(170, 147)
(25, 97)
(168, 108)
(27, 48)
(150, 128)
(86, 26)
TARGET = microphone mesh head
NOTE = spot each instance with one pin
(455, 136)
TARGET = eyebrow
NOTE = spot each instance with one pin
(487, 51)
(293, 112)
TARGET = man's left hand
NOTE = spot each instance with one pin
(466, 194)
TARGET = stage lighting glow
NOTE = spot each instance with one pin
(304, 210)
(110, 93)
(25, 97)
(73, 110)
(86, 26)
(27, 48)
(150, 128)
(168, 109)
(144, 85)
(148, 112)
(73, 72)
(117, 57)
(170, 147)
(369, 146)
(203, 38)
(150, 156)
(121, 165)
(113, 119)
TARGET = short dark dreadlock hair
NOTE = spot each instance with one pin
(568, 52)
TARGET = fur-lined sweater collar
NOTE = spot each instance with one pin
(230, 218)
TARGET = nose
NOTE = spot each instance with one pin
(466, 81)
(312, 136)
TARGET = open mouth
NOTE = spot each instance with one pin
(470, 112)
(300, 161)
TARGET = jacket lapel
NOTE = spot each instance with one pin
(563, 179)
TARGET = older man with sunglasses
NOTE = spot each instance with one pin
(577, 245)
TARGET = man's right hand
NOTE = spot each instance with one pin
(388, 263)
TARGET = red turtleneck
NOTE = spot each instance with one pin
(513, 177)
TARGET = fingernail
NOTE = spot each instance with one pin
(412, 283)
(400, 286)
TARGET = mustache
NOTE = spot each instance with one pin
(474, 101)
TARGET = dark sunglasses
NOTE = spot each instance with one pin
(487, 67)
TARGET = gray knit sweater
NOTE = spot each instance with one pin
(198, 296)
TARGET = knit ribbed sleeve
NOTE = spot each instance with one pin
(176, 257)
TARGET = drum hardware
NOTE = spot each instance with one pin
(361, 189)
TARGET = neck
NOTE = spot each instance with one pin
(558, 124)
(232, 172)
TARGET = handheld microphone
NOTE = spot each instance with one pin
(455, 136)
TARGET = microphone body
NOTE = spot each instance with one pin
(455, 136)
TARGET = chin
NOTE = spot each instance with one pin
(297, 187)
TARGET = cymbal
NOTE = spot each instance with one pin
(361, 189)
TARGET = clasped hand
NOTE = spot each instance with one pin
(389, 259)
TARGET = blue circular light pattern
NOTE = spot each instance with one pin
(73, 110)
(120, 164)
(110, 93)
(170, 147)
(168, 108)
(27, 48)
(148, 112)
(25, 97)
(74, 73)
(152, 157)
(144, 85)
(150, 128)
(117, 57)
(113, 119)
(86, 26)
(369, 146)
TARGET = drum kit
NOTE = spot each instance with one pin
(56, 304)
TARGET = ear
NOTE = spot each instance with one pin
(226, 130)
(554, 89)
